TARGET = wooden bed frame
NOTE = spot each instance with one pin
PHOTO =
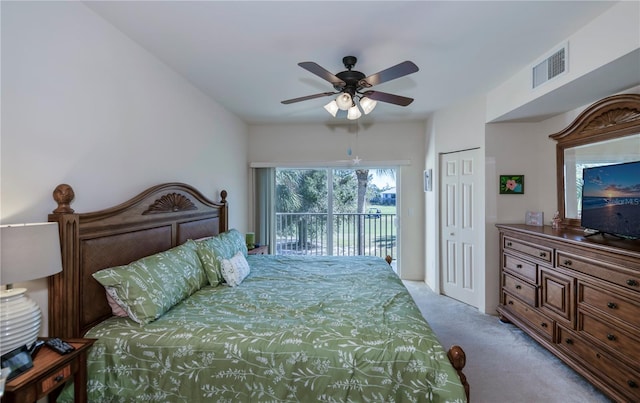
(161, 217)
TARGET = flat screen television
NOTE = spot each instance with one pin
(611, 199)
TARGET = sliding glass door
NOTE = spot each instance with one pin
(330, 211)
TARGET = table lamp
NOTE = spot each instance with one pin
(29, 252)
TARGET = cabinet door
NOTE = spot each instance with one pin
(557, 295)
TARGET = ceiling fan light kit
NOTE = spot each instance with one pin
(350, 83)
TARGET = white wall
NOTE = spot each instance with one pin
(459, 127)
(610, 36)
(374, 143)
(84, 105)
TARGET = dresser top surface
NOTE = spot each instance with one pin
(576, 237)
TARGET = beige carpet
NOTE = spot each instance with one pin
(504, 365)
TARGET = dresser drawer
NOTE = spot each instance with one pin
(521, 268)
(614, 337)
(537, 252)
(538, 321)
(626, 379)
(619, 275)
(520, 288)
(609, 303)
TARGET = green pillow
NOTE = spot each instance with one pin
(217, 248)
(149, 287)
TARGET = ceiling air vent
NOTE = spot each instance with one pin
(550, 67)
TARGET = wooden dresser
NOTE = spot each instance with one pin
(579, 297)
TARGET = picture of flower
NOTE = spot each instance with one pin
(511, 184)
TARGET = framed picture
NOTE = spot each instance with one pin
(512, 184)
(427, 180)
(534, 218)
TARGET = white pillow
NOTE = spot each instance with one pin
(235, 270)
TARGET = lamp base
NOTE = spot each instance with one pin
(20, 320)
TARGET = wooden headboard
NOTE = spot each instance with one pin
(157, 219)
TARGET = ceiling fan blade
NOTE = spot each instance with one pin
(390, 98)
(397, 71)
(322, 73)
(320, 95)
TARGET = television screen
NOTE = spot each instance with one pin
(611, 199)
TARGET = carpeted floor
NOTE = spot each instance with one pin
(504, 365)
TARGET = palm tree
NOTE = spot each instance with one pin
(363, 182)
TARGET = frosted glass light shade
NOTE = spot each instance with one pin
(344, 101)
(353, 113)
(19, 320)
(367, 104)
(332, 108)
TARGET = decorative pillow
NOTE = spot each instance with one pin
(213, 250)
(149, 287)
(235, 270)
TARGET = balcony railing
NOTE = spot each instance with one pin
(345, 235)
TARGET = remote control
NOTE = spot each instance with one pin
(36, 348)
(59, 346)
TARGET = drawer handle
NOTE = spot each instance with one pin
(58, 378)
(518, 287)
(510, 302)
(611, 337)
(632, 283)
(567, 262)
(612, 305)
(509, 244)
(519, 266)
(632, 384)
(569, 341)
(543, 324)
(543, 254)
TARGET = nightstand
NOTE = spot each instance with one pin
(259, 250)
(49, 373)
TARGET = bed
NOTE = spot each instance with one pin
(289, 328)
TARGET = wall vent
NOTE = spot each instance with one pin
(550, 67)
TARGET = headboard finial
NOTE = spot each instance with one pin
(63, 195)
(223, 196)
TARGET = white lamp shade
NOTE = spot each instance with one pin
(367, 104)
(29, 251)
(344, 101)
(332, 108)
(353, 113)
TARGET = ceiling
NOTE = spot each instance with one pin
(244, 54)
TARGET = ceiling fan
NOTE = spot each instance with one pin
(353, 85)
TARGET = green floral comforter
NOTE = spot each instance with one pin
(298, 329)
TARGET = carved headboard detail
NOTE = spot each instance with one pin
(158, 219)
